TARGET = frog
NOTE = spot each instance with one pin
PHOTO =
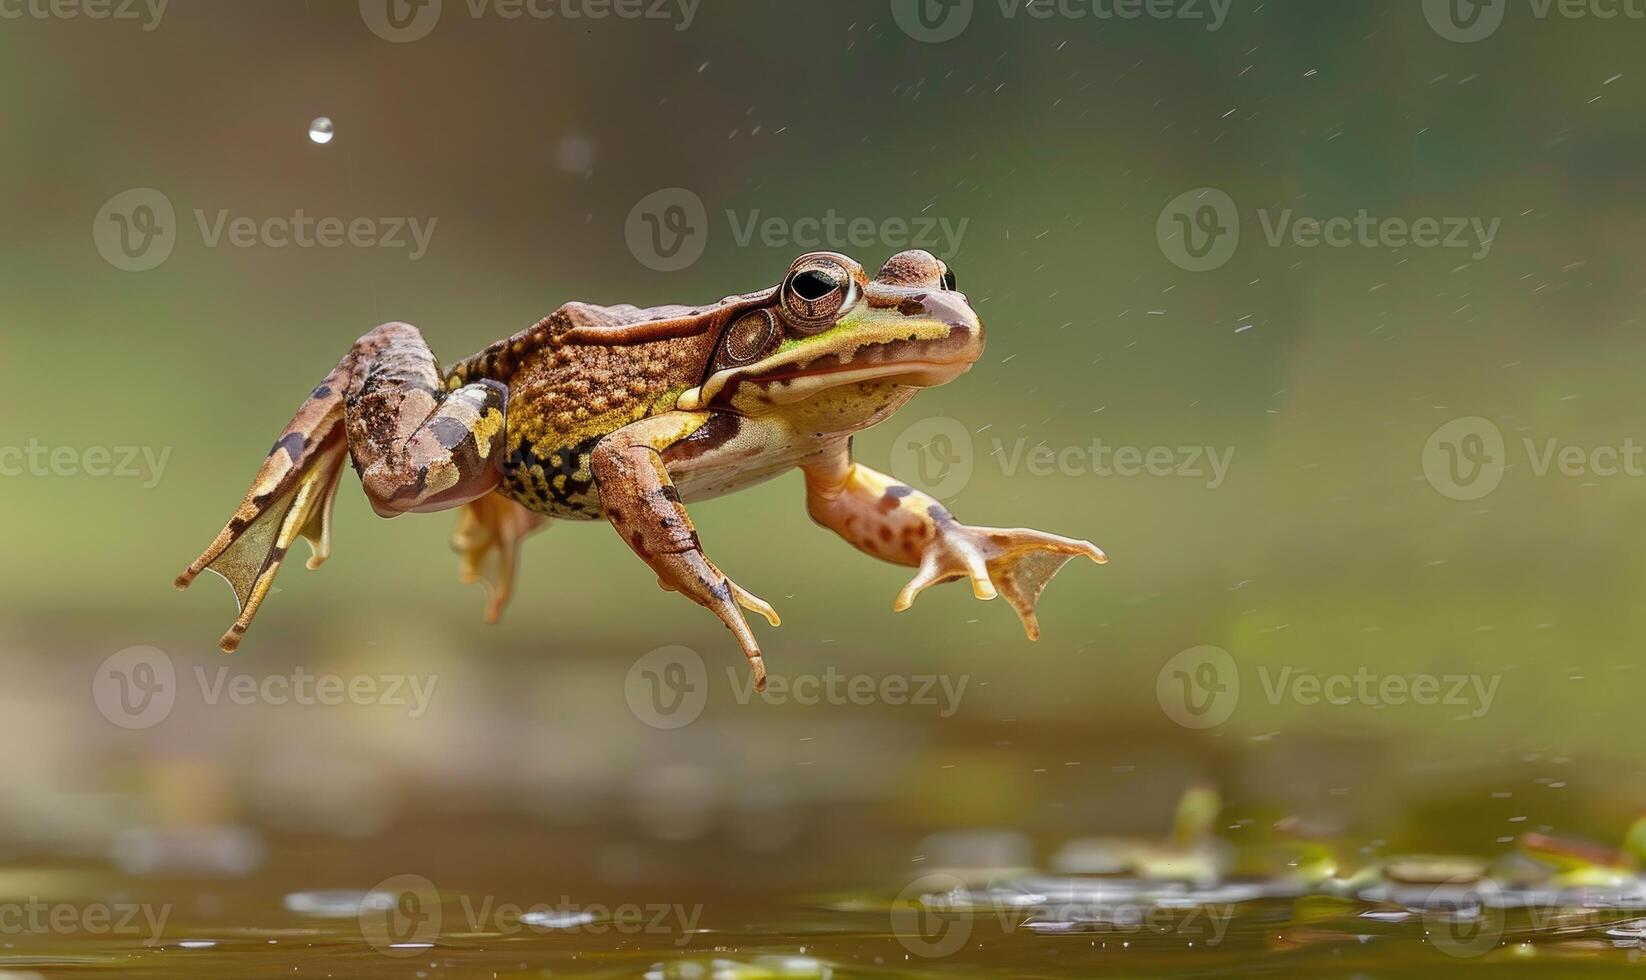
(626, 415)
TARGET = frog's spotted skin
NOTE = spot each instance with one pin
(628, 414)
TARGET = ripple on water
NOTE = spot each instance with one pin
(756, 968)
(327, 903)
(556, 919)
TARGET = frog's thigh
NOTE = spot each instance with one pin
(417, 446)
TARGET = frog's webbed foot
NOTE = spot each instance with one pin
(487, 539)
(1015, 562)
(291, 497)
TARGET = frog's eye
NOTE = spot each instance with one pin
(815, 293)
(949, 281)
(751, 337)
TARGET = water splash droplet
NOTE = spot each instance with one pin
(320, 130)
(574, 154)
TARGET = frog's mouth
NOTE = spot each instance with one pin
(910, 363)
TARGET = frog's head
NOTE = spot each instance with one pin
(831, 330)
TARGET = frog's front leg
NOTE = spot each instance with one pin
(641, 502)
(897, 523)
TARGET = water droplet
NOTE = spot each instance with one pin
(575, 154)
(320, 130)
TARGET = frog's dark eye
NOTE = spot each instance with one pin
(815, 293)
(750, 338)
(812, 285)
(949, 281)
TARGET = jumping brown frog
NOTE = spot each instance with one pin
(627, 414)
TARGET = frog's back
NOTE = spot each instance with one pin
(580, 374)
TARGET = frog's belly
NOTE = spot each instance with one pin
(741, 461)
(726, 455)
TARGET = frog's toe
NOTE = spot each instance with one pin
(487, 541)
(753, 603)
(946, 558)
(1016, 563)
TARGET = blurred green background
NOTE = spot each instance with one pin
(1057, 142)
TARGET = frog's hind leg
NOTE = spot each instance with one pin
(488, 536)
(416, 447)
(291, 497)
